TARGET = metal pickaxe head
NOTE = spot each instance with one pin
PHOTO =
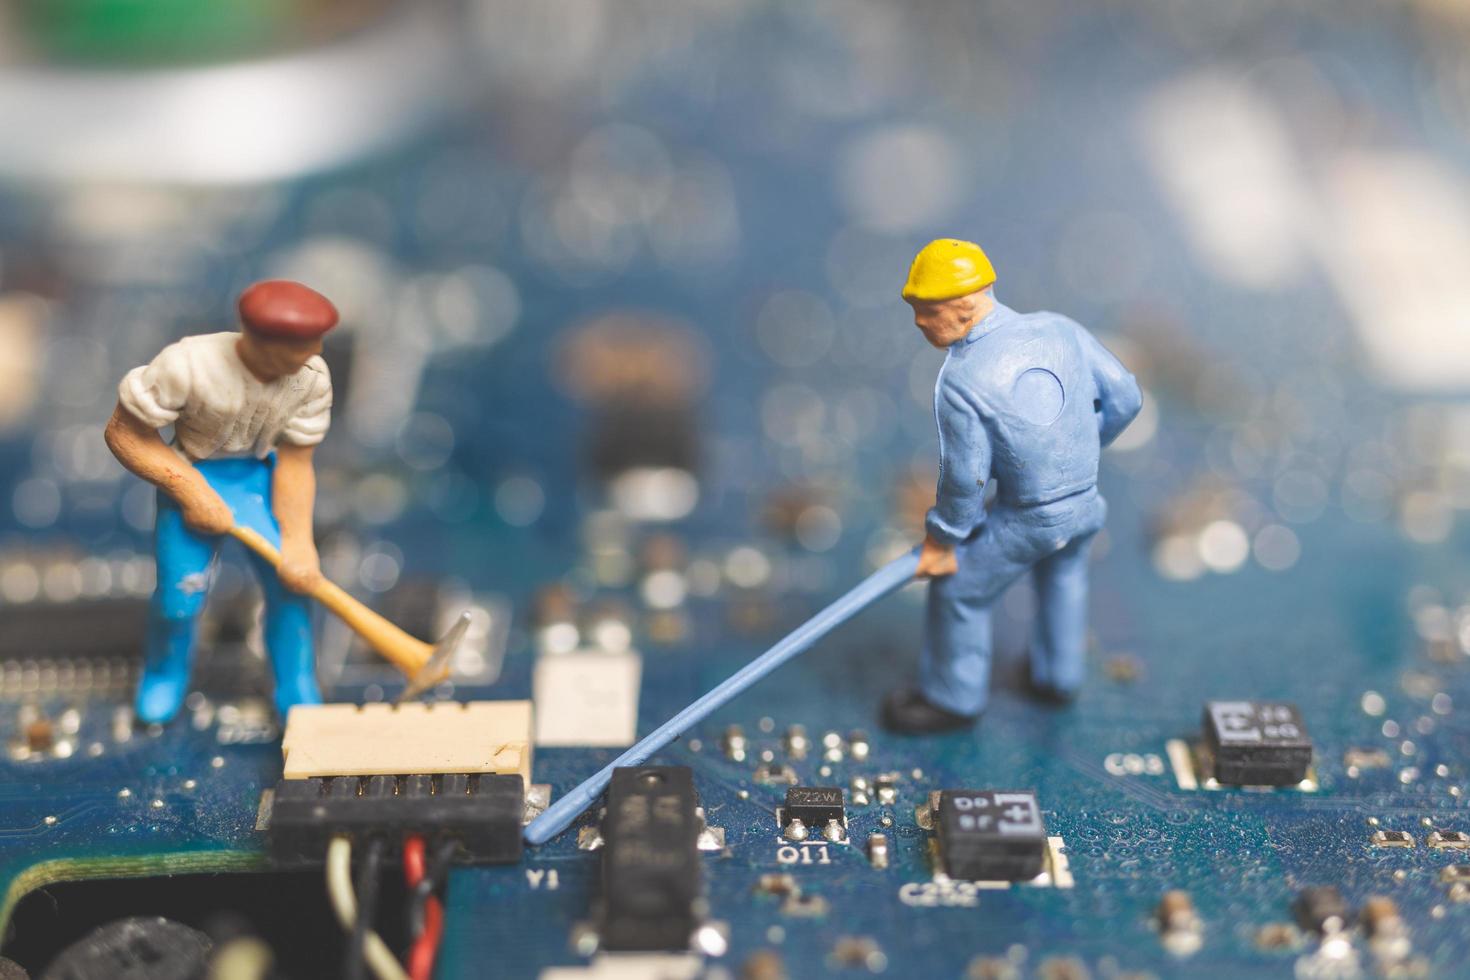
(436, 668)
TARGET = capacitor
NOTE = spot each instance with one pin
(1176, 910)
(733, 742)
(797, 743)
(878, 850)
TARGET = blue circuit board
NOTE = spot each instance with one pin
(1284, 518)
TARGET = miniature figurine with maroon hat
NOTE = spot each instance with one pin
(247, 409)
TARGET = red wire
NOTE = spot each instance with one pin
(413, 860)
(426, 944)
(426, 947)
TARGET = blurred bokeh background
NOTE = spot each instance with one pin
(624, 367)
(640, 261)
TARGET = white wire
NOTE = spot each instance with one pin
(379, 957)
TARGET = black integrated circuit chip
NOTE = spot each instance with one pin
(90, 628)
(991, 835)
(1257, 743)
(651, 872)
(813, 805)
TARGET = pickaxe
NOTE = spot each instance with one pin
(423, 664)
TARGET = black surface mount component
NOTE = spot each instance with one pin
(814, 805)
(629, 437)
(651, 871)
(1257, 743)
(990, 835)
(1321, 909)
(483, 812)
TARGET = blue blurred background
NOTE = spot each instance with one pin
(641, 262)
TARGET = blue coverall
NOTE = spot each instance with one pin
(185, 571)
(1027, 400)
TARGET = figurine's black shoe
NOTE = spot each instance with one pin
(908, 712)
(1047, 693)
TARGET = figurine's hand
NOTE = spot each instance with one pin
(300, 569)
(936, 560)
(207, 513)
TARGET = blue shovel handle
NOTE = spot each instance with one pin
(885, 581)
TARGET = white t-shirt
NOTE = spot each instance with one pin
(218, 408)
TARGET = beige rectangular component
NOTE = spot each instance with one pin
(630, 966)
(388, 740)
(587, 699)
(1182, 759)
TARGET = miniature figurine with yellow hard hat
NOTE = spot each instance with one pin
(1025, 401)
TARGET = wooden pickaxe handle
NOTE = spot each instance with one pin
(393, 644)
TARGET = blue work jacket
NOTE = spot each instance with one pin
(1027, 400)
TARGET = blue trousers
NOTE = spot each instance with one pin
(1051, 541)
(186, 563)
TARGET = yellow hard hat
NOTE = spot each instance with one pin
(947, 268)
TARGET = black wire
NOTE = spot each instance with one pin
(366, 885)
(436, 871)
